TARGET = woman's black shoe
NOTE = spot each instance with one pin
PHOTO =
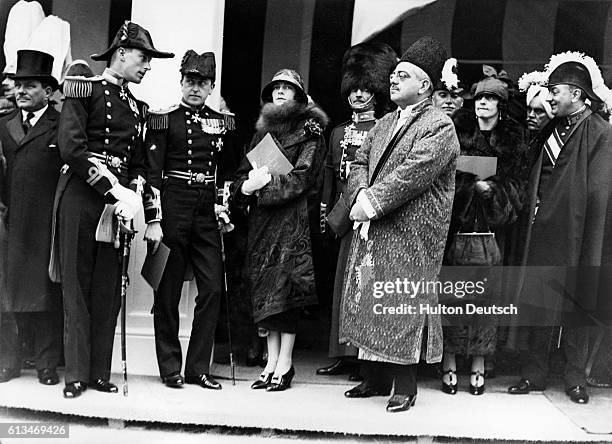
(451, 388)
(263, 381)
(477, 390)
(280, 383)
(74, 389)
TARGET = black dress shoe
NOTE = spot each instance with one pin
(173, 380)
(203, 380)
(477, 389)
(282, 382)
(102, 385)
(400, 403)
(48, 376)
(340, 367)
(523, 387)
(6, 374)
(364, 390)
(263, 381)
(74, 389)
(578, 394)
(450, 389)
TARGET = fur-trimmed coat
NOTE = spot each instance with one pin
(502, 205)
(412, 197)
(279, 254)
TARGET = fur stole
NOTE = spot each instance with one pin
(291, 119)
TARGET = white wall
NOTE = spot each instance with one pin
(176, 27)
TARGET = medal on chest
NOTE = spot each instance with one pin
(352, 138)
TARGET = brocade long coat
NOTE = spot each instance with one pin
(412, 197)
(279, 253)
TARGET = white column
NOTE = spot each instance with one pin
(176, 27)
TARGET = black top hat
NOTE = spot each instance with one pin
(202, 65)
(575, 74)
(37, 65)
(132, 35)
(428, 54)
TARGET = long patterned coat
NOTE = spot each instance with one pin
(279, 253)
(412, 196)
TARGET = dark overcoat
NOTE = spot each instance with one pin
(412, 197)
(33, 168)
(279, 253)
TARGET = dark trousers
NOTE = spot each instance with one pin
(383, 374)
(190, 231)
(46, 327)
(90, 283)
(575, 342)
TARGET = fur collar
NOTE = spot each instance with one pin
(506, 138)
(291, 118)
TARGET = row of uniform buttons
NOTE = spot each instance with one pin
(197, 118)
(109, 117)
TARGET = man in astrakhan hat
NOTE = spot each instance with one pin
(401, 190)
(567, 278)
(100, 139)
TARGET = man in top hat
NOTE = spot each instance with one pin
(28, 138)
(365, 89)
(401, 189)
(570, 194)
(190, 152)
(100, 132)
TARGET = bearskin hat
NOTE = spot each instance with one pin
(368, 66)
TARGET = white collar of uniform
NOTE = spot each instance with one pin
(193, 108)
(37, 114)
(113, 77)
(404, 113)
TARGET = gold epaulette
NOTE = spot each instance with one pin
(78, 86)
(158, 118)
(230, 121)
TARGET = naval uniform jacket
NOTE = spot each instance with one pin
(193, 147)
(33, 167)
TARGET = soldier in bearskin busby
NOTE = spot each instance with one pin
(365, 89)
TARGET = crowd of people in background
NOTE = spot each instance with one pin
(388, 189)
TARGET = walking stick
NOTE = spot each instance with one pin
(225, 225)
(125, 234)
(227, 312)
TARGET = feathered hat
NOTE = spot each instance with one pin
(449, 81)
(200, 64)
(368, 66)
(534, 84)
(577, 69)
(24, 17)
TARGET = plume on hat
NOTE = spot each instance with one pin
(597, 82)
(449, 76)
(534, 83)
(368, 65)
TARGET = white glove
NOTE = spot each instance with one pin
(129, 202)
(258, 178)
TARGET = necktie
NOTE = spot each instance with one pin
(27, 124)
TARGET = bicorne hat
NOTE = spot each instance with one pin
(575, 74)
(289, 76)
(202, 65)
(428, 54)
(367, 66)
(32, 64)
(132, 35)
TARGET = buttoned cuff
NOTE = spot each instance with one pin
(363, 200)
